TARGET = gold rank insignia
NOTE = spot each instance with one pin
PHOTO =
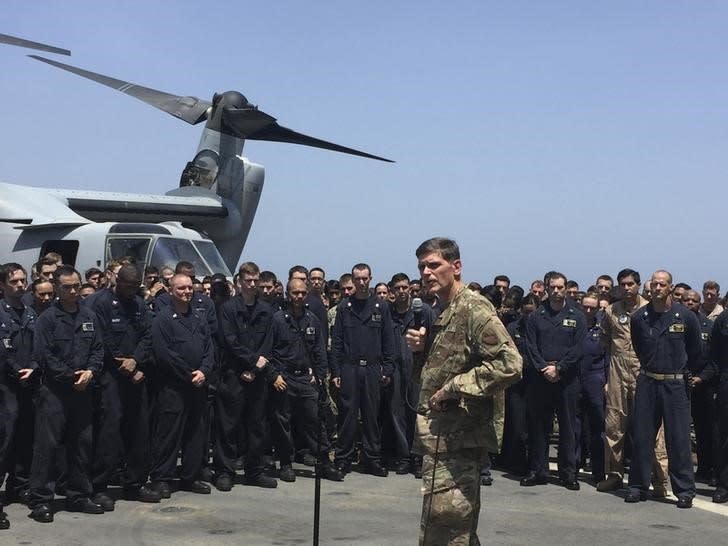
(569, 323)
(679, 328)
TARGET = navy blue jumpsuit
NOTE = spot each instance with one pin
(668, 347)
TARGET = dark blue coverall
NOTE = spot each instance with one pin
(554, 337)
(64, 343)
(181, 343)
(514, 453)
(121, 408)
(246, 334)
(298, 354)
(668, 347)
(399, 398)
(719, 355)
(17, 413)
(362, 352)
(594, 371)
(703, 405)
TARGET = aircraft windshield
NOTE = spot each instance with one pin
(136, 247)
(168, 251)
(212, 257)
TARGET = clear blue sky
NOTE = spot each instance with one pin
(579, 136)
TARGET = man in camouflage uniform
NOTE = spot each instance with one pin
(470, 360)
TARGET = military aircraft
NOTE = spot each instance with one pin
(206, 220)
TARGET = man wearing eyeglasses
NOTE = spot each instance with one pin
(69, 351)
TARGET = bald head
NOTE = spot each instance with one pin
(297, 291)
(179, 279)
(661, 286)
(296, 284)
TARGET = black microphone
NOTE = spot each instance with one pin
(417, 311)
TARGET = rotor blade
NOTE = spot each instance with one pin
(12, 40)
(189, 109)
(278, 133)
(246, 121)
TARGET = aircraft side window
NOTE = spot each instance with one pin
(68, 249)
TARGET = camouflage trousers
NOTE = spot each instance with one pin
(450, 506)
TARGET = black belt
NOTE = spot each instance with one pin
(362, 363)
(299, 372)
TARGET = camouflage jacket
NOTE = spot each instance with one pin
(471, 356)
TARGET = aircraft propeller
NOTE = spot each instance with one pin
(229, 113)
(20, 42)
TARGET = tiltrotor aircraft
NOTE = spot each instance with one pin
(206, 220)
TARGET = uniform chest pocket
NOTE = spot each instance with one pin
(62, 341)
(181, 339)
(451, 337)
(86, 337)
(347, 320)
(119, 327)
(82, 342)
(375, 324)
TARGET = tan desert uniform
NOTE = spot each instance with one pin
(717, 310)
(621, 386)
(473, 359)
